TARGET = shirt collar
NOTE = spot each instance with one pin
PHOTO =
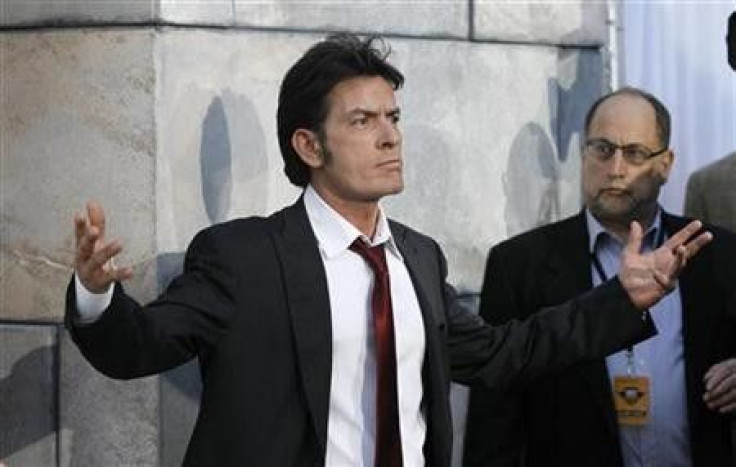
(596, 231)
(335, 234)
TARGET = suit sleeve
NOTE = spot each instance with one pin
(588, 327)
(494, 427)
(130, 341)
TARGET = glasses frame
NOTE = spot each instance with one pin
(622, 147)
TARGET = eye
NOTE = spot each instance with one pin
(360, 121)
(604, 148)
(636, 154)
(395, 118)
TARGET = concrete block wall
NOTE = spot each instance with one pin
(164, 111)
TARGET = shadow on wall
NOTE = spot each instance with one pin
(534, 173)
(28, 406)
(529, 205)
(534, 198)
(426, 158)
(219, 170)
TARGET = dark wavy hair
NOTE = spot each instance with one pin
(303, 98)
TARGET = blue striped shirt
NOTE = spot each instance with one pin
(664, 440)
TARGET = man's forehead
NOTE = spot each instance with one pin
(369, 93)
(621, 109)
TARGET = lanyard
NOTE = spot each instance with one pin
(598, 266)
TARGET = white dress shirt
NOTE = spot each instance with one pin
(351, 423)
(352, 411)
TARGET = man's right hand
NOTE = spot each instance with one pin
(93, 260)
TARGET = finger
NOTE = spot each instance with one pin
(101, 257)
(683, 235)
(121, 274)
(728, 408)
(633, 244)
(716, 381)
(680, 254)
(697, 243)
(96, 217)
(723, 390)
(79, 225)
(719, 372)
(665, 281)
(86, 245)
(715, 371)
(721, 400)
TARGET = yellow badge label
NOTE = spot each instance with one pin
(631, 399)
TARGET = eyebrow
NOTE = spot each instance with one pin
(606, 140)
(371, 113)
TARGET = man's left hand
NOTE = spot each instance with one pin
(720, 386)
(650, 276)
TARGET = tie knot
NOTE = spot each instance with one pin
(375, 256)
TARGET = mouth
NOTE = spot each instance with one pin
(614, 192)
(393, 164)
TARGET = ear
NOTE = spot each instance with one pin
(307, 146)
(665, 165)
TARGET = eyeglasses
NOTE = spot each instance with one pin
(635, 154)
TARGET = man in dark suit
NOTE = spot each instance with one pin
(305, 358)
(582, 417)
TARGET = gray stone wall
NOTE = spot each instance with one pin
(164, 111)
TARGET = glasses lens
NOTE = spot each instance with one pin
(601, 149)
(636, 154)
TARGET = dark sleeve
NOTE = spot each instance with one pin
(591, 326)
(494, 433)
(130, 341)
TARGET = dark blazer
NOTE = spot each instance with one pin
(253, 305)
(568, 418)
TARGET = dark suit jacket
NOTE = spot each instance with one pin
(568, 418)
(253, 304)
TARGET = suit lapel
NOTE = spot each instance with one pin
(424, 273)
(699, 310)
(568, 269)
(309, 307)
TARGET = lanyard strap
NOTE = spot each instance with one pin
(598, 266)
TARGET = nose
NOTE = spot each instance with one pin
(617, 165)
(390, 134)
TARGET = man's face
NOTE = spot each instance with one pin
(361, 142)
(616, 190)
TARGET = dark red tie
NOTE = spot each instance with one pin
(388, 436)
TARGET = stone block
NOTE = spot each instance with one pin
(28, 404)
(481, 145)
(78, 125)
(578, 22)
(408, 17)
(53, 12)
(218, 151)
(475, 171)
(209, 12)
(105, 421)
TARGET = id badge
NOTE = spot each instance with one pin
(631, 399)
